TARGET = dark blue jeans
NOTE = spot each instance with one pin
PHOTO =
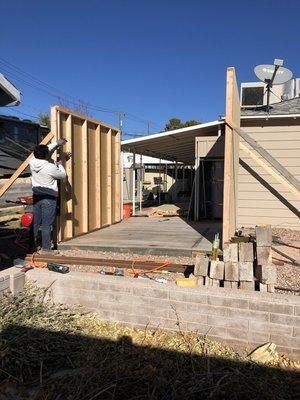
(44, 213)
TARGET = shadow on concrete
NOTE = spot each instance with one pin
(43, 364)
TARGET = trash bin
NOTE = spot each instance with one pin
(127, 210)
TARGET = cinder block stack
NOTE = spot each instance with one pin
(244, 264)
(265, 271)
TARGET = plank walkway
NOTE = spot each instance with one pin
(143, 235)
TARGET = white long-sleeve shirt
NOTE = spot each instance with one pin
(45, 175)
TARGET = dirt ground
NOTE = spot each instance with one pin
(14, 244)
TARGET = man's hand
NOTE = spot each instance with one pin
(61, 142)
(64, 157)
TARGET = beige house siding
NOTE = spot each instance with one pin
(264, 200)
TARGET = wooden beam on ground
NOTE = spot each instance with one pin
(47, 139)
(231, 157)
(136, 264)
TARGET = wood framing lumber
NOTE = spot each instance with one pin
(270, 170)
(144, 265)
(93, 181)
(231, 157)
(47, 139)
(83, 117)
(270, 159)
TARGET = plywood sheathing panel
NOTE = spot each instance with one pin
(93, 173)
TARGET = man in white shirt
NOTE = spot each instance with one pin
(45, 175)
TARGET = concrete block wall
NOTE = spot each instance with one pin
(11, 280)
(237, 316)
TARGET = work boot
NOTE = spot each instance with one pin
(49, 252)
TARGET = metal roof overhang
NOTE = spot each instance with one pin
(9, 94)
(177, 145)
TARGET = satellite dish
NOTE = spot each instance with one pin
(265, 73)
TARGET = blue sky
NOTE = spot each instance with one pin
(152, 59)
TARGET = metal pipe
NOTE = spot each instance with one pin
(133, 185)
(122, 184)
(140, 182)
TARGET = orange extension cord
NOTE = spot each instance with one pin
(136, 274)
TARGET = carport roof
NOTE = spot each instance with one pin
(9, 94)
(177, 145)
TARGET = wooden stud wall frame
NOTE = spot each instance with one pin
(90, 195)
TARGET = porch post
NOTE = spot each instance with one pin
(133, 185)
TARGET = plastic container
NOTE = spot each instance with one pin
(127, 210)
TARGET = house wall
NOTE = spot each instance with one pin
(261, 199)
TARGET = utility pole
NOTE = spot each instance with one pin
(148, 127)
(121, 115)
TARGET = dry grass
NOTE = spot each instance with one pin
(55, 353)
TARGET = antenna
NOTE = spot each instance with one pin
(274, 74)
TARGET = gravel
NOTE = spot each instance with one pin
(288, 274)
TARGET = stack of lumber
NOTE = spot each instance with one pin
(245, 265)
(165, 210)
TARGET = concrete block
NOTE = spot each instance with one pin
(263, 287)
(215, 283)
(264, 255)
(240, 334)
(234, 285)
(201, 265)
(271, 288)
(247, 285)
(258, 337)
(287, 341)
(188, 296)
(266, 274)
(208, 281)
(227, 302)
(246, 252)
(238, 323)
(249, 314)
(246, 271)
(263, 235)
(285, 320)
(216, 270)
(270, 307)
(231, 271)
(296, 332)
(230, 252)
(270, 328)
(17, 282)
(4, 284)
(144, 291)
(205, 309)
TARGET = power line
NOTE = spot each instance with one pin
(45, 87)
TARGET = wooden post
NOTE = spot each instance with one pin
(122, 184)
(47, 139)
(133, 185)
(231, 157)
(66, 195)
